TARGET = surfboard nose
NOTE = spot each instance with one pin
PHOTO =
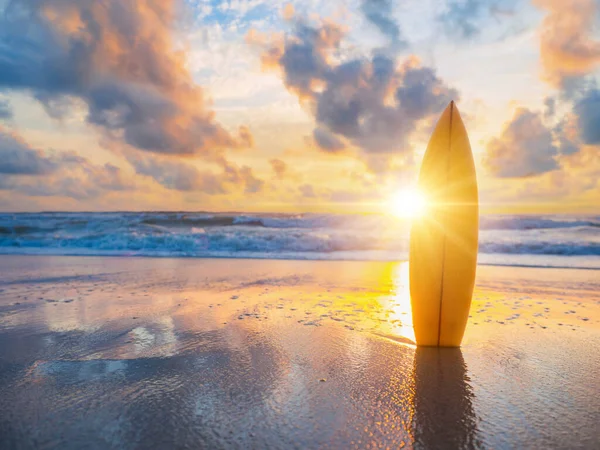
(451, 107)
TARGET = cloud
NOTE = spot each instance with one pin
(525, 147)
(570, 52)
(177, 175)
(380, 14)
(303, 56)
(348, 196)
(37, 173)
(242, 176)
(81, 181)
(587, 110)
(6, 111)
(568, 47)
(18, 158)
(283, 172)
(252, 183)
(307, 191)
(374, 103)
(567, 135)
(279, 167)
(186, 177)
(78, 186)
(579, 182)
(397, 168)
(549, 107)
(121, 60)
(327, 141)
(463, 18)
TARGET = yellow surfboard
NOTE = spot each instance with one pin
(444, 240)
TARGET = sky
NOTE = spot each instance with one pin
(302, 106)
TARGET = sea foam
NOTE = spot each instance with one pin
(569, 241)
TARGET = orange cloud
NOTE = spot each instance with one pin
(566, 37)
(279, 167)
(525, 147)
(184, 176)
(288, 11)
(37, 173)
(120, 58)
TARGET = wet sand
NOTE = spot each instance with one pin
(188, 353)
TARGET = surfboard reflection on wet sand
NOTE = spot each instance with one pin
(444, 413)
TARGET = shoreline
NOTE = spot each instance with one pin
(272, 258)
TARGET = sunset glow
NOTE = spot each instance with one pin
(279, 223)
(408, 203)
(292, 106)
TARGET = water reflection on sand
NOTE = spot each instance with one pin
(236, 354)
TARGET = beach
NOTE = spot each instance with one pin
(210, 213)
(128, 352)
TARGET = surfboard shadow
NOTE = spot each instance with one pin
(444, 414)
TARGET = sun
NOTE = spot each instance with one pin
(408, 203)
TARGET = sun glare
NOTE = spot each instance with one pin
(408, 203)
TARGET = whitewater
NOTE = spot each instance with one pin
(518, 240)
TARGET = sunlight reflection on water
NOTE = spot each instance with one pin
(397, 305)
(402, 308)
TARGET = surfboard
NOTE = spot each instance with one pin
(444, 239)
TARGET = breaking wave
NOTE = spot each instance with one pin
(571, 241)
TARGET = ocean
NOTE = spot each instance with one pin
(516, 240)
